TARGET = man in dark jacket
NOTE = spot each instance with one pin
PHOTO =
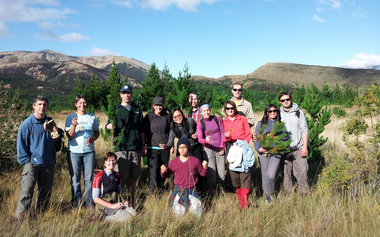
(129, 119)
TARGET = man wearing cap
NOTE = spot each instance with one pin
(194, 112)
(129, 119)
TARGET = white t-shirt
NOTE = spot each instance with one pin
(86, 123)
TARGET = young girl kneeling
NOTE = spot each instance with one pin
(186, 169)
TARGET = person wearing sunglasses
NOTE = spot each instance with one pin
(296, 160)
(238, 133)
(243, 107)
(268, 162)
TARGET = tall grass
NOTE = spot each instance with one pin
(321, 213)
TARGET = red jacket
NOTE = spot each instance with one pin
(239, 129)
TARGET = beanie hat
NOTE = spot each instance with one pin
(183, 140)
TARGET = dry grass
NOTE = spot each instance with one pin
(321, 213)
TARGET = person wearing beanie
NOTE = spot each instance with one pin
(185, 169)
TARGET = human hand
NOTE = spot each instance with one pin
(262, 150)
(171, 150)
(194, 136)
(74, 122)
(208, 139)
(163, 169)
(162, 146)
(144, 151)
(221, 152)
(227, 134)
(87, 141)
(304, 152)
(109, 126)
(205, 164)
(254, 138)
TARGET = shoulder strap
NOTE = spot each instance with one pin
(203, 127)
(298, 114)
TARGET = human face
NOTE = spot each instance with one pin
(272, 113)
(193, 100)
(81, 106)
(286, 102)
(40, 108)
(206, 112)
(110, 163)
(177, 117)
(126, 97)
(157, 109)
(236, 91)
(183, 150)
(230, 111)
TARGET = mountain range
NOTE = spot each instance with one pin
(47, 66)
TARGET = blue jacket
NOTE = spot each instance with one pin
(34, 144)
(248, 157)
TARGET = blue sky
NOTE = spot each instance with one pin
(214, 37)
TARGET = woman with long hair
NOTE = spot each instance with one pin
(157, 128)
(268, 162)
(82, 129)
(238, 133)
(184, 127)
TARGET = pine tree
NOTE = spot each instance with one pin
(152, 86)
(275, 142)
(114, 85)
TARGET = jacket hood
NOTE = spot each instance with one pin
(292, 110)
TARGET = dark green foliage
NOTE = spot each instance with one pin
(113, 85)
(12, 112)
(152, 86)
(106, 134)
(316, 124)
(273, 141)
(339, 112)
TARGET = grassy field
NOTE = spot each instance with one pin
(321, 213)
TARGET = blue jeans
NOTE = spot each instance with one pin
(76, 161)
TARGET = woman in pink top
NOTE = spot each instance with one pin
(211, 134)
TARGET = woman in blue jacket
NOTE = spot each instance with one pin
(268, 162)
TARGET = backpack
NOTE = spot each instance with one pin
(204, 124)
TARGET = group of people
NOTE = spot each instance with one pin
(205, 142)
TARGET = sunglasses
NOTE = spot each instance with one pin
(179, 116)
(287, 99)
(229, 108)
(272, 111)
(234, 89)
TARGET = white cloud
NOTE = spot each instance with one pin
(95, 51)
(229, 11)
(70, 37)
(334, 4)
(123, 3)
(363, 61)
(317, 18)
(30, 11)
(186, 5)
(4, 31)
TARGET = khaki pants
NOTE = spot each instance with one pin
(294, 162)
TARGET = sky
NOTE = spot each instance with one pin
(213, 38)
